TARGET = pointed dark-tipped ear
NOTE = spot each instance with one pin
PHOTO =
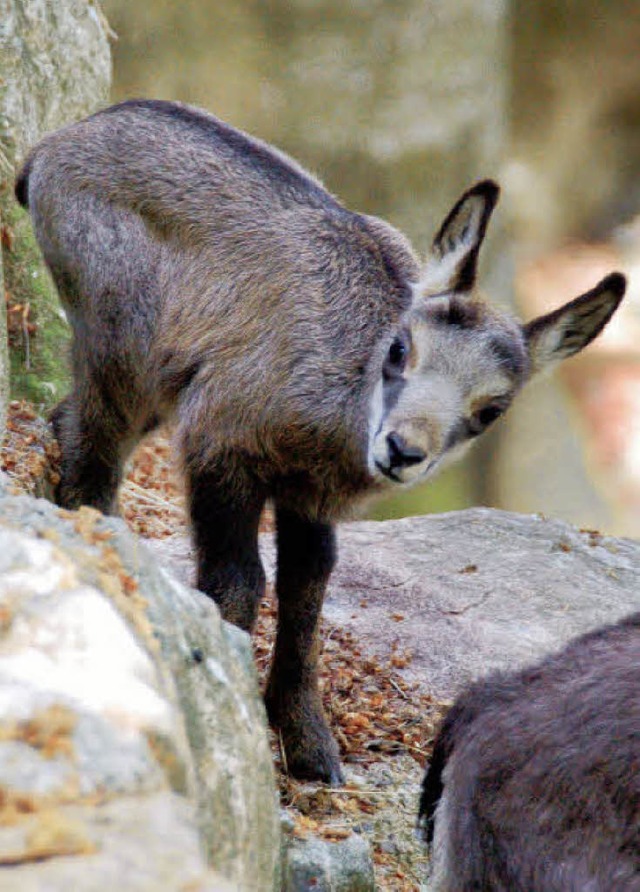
(453, 260)
(565, 331)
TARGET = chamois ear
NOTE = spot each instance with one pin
(453, 259)
(567, 330)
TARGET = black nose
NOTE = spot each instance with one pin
(401, 455)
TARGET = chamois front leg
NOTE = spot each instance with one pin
(92, 435)
(306, 555)
(225, 518)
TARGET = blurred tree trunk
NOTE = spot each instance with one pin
(55, 67)
(575, 114)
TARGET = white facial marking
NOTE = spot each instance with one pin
(376, 412)
(426, 410)
(438, 274)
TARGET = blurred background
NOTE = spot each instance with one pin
(399, 107)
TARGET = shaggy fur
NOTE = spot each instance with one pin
(534, 783)
(305, 354)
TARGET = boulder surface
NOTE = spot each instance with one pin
(133, 742)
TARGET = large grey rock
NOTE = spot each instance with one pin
(133, 744)
(469, 591)
(55, 67)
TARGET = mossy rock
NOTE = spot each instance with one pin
(39, 334)
(55, 67)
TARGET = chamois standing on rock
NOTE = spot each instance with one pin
(534, 783)
(304, 352)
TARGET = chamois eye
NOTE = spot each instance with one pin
(489, 414)
(397, 354)
(484, 417)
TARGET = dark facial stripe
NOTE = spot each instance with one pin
(458, 312)
(458, 434)
(391, 390)
(511, 355)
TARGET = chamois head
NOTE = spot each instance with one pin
(457, 363)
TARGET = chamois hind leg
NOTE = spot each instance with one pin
(94, 441)
(306, 555)
(225, 515)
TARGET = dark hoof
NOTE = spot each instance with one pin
(324, 767)
(310, 750)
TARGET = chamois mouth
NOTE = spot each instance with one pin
(388, 472)
(394, 475)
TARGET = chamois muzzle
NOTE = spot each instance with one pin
(402, 455)
(399, 456)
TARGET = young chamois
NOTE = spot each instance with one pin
(535, 777)
(306, 355)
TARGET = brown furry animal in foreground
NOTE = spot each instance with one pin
(307, 355)
(534, 783)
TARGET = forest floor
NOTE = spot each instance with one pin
(384, 724)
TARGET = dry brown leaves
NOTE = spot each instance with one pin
(373, 710)
(375, 715)
(152, 497)
(29, 454)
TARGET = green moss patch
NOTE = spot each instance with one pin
(39, 334)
